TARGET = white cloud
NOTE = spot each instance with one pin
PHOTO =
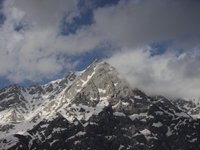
(35, 52)
(165, 74)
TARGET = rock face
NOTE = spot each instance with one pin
(95, 109)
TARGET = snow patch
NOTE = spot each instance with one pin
(137, 97)
(193, 140)
(78, 134)
(159, 124)
(101, 90)
(145, 132)
(121, 147)
(159, 113)
(120, 114)
(8, 142)
(138, 116)
(169, 133)
(125, 103)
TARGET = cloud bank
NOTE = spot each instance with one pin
(33, 46)
(166, 75)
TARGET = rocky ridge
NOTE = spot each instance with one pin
(95, 109)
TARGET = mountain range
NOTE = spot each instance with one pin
(95, 109)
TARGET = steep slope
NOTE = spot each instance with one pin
(94, 109)
(20, 107)
(192, 107)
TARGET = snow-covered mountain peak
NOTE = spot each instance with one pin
(94, 106)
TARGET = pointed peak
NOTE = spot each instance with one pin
(93, 65)
(97, 62)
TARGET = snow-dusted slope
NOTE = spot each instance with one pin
(21, 108)
(94, 109)
(191, 106)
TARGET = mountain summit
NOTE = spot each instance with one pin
(95, 109)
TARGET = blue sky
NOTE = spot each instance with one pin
(154, 44)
